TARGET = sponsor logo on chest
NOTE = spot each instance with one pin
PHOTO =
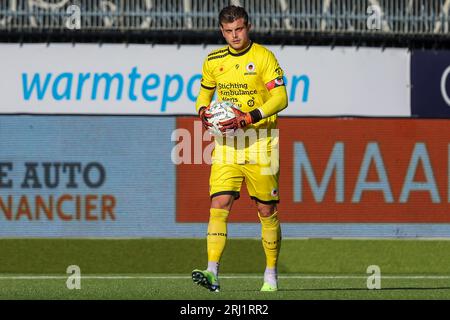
(250, 68)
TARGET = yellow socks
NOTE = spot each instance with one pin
(271, 238)
(217, 234)
(217, 237)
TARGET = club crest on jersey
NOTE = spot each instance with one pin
(251, 68)
(279, 82)
(279, 71)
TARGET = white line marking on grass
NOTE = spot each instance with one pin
(30, 277)
(365, 277)
(306, 277)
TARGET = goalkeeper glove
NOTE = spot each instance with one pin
(241, 120)
(204, 116)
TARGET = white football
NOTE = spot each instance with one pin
(220, 111)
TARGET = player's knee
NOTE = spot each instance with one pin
(266, 210)
(222, 202)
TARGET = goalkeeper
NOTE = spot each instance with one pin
(248, 75)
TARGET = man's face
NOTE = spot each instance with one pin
(236, 34)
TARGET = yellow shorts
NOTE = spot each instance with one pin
(227, 179)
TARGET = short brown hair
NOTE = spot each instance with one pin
(232, 13)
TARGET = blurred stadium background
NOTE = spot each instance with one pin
(403, 22)
(96, 96)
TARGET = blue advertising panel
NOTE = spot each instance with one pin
(430, 80)
(84, 176)
(114, 177)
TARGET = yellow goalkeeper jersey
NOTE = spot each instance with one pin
(250, 79)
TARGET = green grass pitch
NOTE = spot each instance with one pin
(159, 269)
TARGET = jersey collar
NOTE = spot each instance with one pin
(239, 53)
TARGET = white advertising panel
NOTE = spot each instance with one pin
(165, 79)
